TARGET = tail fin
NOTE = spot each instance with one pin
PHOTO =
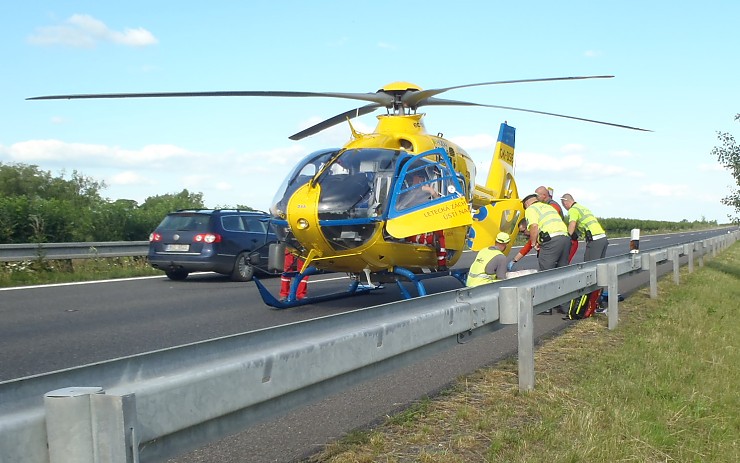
(497, 203)
(501, 174)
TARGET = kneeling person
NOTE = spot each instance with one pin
(490, 263)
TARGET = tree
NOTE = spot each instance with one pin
(155, 208)
(35, 206)
(729, 156)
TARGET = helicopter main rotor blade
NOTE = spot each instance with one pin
(443, 102)
(382, 99)
(414, 99)
(338, 119)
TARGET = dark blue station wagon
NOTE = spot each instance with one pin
(227, 241)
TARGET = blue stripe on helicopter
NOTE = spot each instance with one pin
(348, 222)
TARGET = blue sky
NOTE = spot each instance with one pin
(676, 67)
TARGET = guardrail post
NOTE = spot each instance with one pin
(688, 249)
(607, 275)
(675, 257)
(525, 337)
(653, 264)
(83, 425)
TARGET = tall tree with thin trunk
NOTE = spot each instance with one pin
(729, 156)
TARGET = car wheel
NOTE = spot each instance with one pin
(243, 270)
(177, 275)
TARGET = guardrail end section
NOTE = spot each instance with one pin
(84, 425)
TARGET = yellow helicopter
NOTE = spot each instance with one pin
(394, 205)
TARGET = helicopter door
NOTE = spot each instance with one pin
(427, 197)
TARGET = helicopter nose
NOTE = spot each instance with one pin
(302, 217)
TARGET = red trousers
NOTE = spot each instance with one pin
(436, 239)
(292, 263)
(573, 249)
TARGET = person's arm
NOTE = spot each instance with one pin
(432, 192)
(523, 252)
(534, 232)
(571, 227)
(497, 266)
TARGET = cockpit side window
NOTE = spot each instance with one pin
(423, 179)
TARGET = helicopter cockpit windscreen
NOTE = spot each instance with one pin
(356, 184)
(355, 188)
(299, 176)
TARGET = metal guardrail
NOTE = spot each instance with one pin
(84, 250)
(152, 406)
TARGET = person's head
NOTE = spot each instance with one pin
(542, 193)
(567, 201)
(502, 240)
(529, 200)
(524, 228)
(417, 178)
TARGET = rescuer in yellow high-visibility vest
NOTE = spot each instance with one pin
(581, 218)
(547, 233)
(490, 263)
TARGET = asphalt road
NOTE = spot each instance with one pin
(61, 326)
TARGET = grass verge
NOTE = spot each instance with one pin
(39, 272)
(661, 387)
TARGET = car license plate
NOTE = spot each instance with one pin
(177, 247)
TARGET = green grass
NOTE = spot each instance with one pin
(65, 270)
(663, 387)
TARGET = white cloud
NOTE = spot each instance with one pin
(573, 148)
(223, 186)
(537, 162)
(711, 167)
(592, 53)
(622, 154)
(282, 156)
(84, 31)
(340, 42)
(34, 151)
(476, 142)
(196, 181)
(129, 178)
(665, 190)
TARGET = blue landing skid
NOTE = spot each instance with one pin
(417, 279)
(355, 288)
(292, 300)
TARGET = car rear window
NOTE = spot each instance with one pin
(193, 222)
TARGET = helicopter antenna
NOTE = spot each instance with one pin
(355, 133)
